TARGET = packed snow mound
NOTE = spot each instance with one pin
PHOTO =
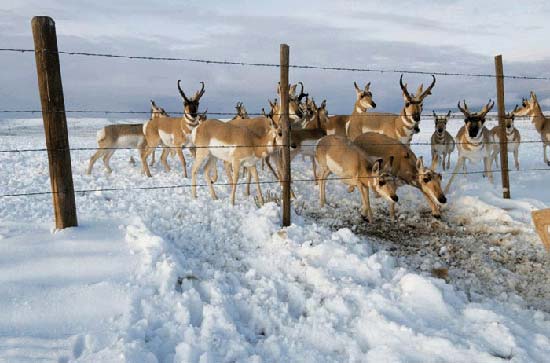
(300, 294)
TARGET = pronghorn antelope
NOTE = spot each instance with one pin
(303, 141)
(443, 143)
(337, 124)
(400, 127)
(294, 109)
(513, 139)
(473, 141)
(409, 169)
(173, 132)
(233, 144)
(315, 117)
(532, 109)
(340, 156)
(241, 111)
(112, 137)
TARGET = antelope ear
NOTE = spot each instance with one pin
(376, 167)
(389, 164)
(292, 90)
(357, 89)
(420, 163)
(324, 104)
(449, 114)
(420, 90)
(533, 96)
(153, 103)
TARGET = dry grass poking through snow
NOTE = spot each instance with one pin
(479, 262)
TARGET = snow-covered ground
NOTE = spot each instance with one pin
(157, 276)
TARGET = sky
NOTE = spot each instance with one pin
(426, 35)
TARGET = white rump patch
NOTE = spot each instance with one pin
(333, 166)
(100, 134)
(167, 139)
(129, 140)
(221, 149)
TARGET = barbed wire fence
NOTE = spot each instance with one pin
(44, 53)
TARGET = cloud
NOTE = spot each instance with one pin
(227, 32)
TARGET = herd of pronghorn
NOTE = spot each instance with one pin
(365, 150)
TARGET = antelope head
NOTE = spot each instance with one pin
(509, 122)
(294, 110)
(317, 116)
(274, 109)
(191, 105)
(308, 109)
(414, 102)
(241, 110)
(364, 98)
(384, 182)
(474, 121)
(429, 182)
(157, 111)
(275, 133)
(528, 106)
(441, 122)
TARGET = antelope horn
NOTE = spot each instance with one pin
(181, 92)
(465, 109)
(302, 94)
(449, 114)
(515, 109)
(435, 114)
(404, 88)
(200, 93)
(428, 90)
(488, 107)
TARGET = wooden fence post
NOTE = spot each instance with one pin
(502, 135)
(55, 122)
(285, 204)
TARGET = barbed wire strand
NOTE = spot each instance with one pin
(244, 183)
(275, 65)
(232, 113)
(245, 146)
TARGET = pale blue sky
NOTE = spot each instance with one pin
(451, 35)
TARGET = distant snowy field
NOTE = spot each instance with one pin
(154, 276)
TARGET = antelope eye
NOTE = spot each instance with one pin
(407, 104)
(427, 180)
(382, 182)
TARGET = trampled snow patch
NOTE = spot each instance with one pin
(159, 277)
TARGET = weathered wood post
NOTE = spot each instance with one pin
(501, 121)
(55, 122)
(285, 204)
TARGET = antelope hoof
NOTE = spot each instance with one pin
(351, 188)
(365, 218)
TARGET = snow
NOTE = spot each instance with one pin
(155, 276)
